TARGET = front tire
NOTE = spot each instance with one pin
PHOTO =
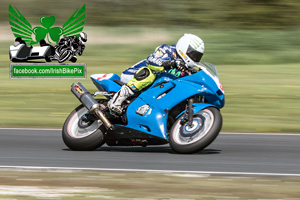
(207, 124)
(79, 135)
(64, 56)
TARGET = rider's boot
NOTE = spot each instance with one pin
(115, 103)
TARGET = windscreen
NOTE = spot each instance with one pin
(211, 68)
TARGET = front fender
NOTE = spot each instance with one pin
(200, 106)
(197, 107)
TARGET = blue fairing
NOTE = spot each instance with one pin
(207, 87)
(177, 90)
(164, 94)
(105, 82)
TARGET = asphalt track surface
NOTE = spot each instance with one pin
(270, 154)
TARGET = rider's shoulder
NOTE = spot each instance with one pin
(165, 48)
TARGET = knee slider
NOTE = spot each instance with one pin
(142, 74)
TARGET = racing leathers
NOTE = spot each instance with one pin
(141, 74)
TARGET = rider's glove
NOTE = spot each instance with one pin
(180, 65)
(169, 64)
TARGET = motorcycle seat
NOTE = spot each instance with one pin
(119, 82)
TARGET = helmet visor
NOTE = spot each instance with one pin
(83, 39)
(194, 54)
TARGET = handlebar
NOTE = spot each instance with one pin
(193, 70)
(182, 66)
(190, 70)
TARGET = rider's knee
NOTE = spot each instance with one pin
(142, 73)
(142, 79)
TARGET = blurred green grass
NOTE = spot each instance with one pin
(30, 185)
(258, 70)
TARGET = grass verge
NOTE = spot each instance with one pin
(29, 185)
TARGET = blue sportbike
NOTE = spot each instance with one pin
(182, 111)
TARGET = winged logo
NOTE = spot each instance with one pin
(32, 35)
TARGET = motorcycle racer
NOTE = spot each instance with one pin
(73, 43)
(19, 40)
(188, 51)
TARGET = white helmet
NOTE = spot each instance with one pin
(83, 37)
(190, 48)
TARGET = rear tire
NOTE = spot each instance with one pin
(82, 136)
(207, 124)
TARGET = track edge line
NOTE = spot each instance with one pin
(66, 169)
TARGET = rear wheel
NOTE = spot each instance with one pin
(206, 126)
(81, 134)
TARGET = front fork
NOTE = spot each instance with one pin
(188, 115)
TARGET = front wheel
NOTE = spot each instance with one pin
(64, 55)
(80, 134)
(205, 128)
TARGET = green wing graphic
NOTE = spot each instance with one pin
(74, 25)
(20, 26)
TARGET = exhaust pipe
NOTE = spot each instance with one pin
(90, 103)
